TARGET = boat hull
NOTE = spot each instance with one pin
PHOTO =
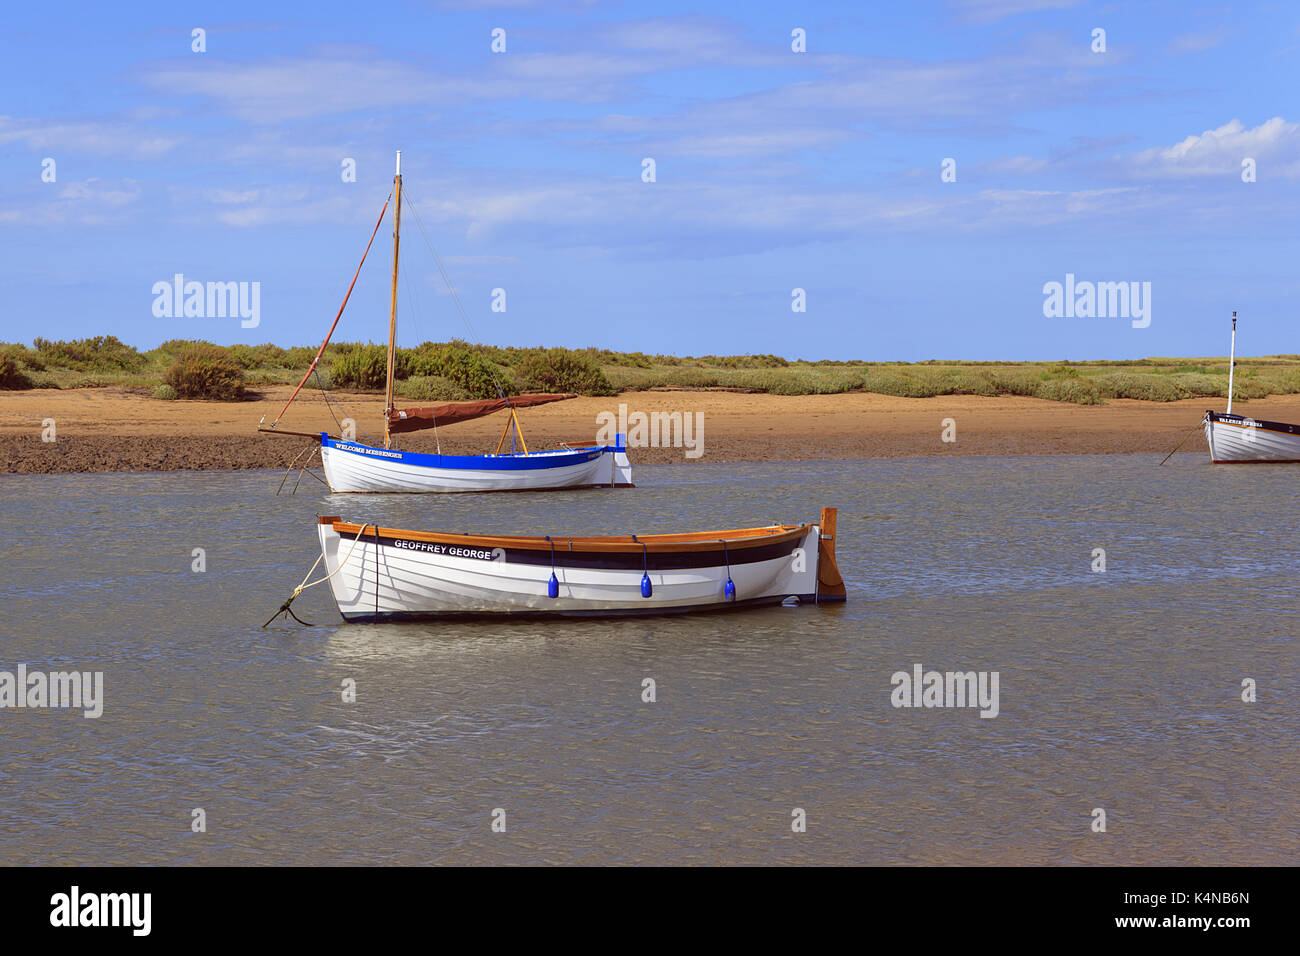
(354, 467)
(386, 574)
(1237, 439)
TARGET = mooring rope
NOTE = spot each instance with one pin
(290, 468)
(306, 469)
(310, 450)
(307, 583)
(1194, 430)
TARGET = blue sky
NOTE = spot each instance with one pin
(775, 170)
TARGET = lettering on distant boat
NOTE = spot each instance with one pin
(363, 450)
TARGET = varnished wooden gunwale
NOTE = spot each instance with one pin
(738, 538)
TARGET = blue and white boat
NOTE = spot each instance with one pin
(352, 466)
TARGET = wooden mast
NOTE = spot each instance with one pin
(392, 307)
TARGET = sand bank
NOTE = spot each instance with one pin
(114, 429)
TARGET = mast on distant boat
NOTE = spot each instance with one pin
(392, 307)
(1232, 360)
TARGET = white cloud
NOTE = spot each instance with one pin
(478, 260)
(336, 82)
(989, 11)
(696, 37)
(281, 90)
(1198, 42)
(233, 197)
(1014, 165)
(87, 202)
(1274, 145)
(726, 217)
(487, 4)
(95, 191)
(1047, 72)
(98, 137)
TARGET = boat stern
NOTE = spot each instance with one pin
(830, 585)
(621, 471)
(813, 574)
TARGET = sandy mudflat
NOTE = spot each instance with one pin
(112, 429)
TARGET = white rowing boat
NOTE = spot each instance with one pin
(380, 574)
(1240, 439)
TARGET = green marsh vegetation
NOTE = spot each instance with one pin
(455, 370)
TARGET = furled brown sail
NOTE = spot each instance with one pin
(413, 419)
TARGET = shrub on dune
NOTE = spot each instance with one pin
(467, 368)
(562, 370)
(205, 371)
(103, 353)
(1075, 391)
(12, 375)
(1198, 385)
(898, 384)
(253, 357)
(432, 388)
(1147, 388)
(364, 367)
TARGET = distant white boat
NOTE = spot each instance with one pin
(353, 466)
(1239, 439)
(379, 573)
(1236, 439)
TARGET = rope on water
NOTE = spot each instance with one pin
(290, 468)
(310, 451)
(307, 470)
(1195, 429)
(306, 583)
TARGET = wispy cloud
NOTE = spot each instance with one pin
(293, 204)
(989, 11)
(595, 65)
(129, 139)
(286, 89)
(87, 202)
(1198, 42)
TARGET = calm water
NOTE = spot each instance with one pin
(1118, 690)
